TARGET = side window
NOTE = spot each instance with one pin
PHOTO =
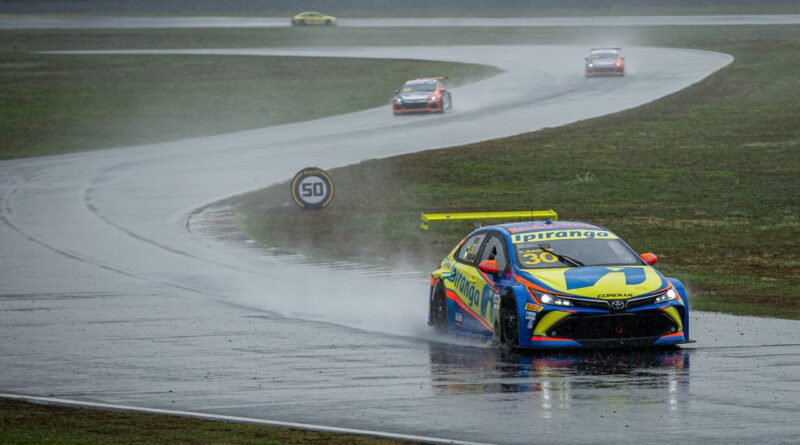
(495, 249)
(469, 250)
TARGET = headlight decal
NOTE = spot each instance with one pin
(673, 313)
(548, 321)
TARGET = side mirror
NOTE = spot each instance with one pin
(397, 92)
(488, 266)
(443, 90)
(649, 258)
(585, 59)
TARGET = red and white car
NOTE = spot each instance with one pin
(423, 95)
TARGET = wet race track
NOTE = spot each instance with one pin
(122, 283)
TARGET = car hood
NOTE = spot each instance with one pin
(602, 282)
(415, 96)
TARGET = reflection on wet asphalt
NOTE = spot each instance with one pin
(199, 355)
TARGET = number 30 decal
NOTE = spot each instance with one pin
(534, 257)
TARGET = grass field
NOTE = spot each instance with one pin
(707, 178)
(23, 423)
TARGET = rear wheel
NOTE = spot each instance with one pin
(509, 325)
(439, 309)
(328, 23)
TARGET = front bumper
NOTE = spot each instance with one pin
(605, 71)
(416, 107)
(571, 329)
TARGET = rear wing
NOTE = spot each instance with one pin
(527, 215)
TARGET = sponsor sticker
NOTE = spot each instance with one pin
(556, 235)
(530, 316)
(533, 307)
(458, 316)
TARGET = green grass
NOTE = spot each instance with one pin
(707, 178)
(63, 103)
(23, 423)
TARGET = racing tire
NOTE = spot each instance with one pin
(509, 324)
(301, 23)
(439, 309)
(328, 23)
(447, 104)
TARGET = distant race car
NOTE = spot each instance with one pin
(553, 284)
(313, 18)
(423, 95)
(605, 62)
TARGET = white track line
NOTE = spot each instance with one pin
(234, 419)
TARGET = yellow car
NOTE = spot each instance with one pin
(313, 18)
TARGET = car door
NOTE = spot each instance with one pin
(315, 18)
(473, 289)
(494, 249)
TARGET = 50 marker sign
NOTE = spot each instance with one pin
(312, 188)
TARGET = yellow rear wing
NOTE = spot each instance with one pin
(526, 215)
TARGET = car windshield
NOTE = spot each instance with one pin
(606, 55)
(588, 252)
(419, 87)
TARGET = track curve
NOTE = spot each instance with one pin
(107, 296)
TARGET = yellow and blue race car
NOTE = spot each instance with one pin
(553, 284)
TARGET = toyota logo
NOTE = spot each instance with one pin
(618, 305)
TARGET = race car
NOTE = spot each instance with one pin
(605, 62)
(546, 284)
(313, 18)
(423, 95)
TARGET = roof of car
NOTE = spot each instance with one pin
(535, 226)
(606, 50)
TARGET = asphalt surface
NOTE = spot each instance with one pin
(120, 285)
(83, 22)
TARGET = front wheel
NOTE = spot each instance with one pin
(328, 23)
(509, 325)
(439, 309)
